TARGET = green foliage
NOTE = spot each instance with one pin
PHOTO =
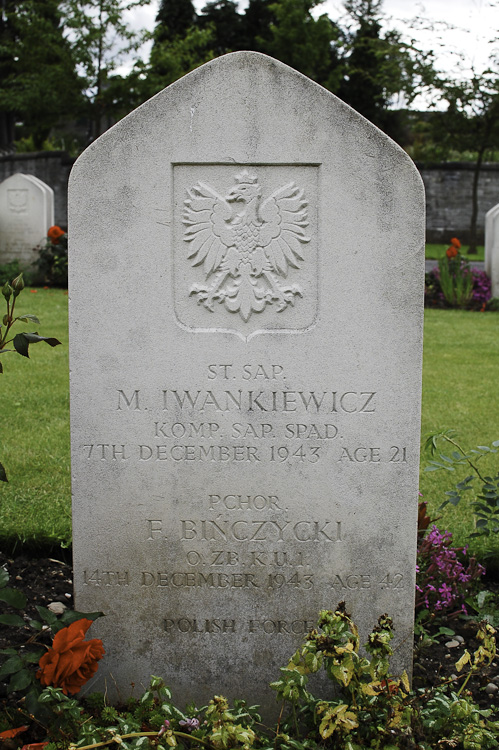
(470, 123)
(225, 23)
(369, 708)
(172, 58)
(100, 38)
(53, 261)
(302, 41)
(456, 280)
(8, 271)
(174, 19)
(378, 66)
(18, 667)
(486, 503)
(362, 63)
(38, 79)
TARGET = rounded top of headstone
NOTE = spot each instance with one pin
(269, 90)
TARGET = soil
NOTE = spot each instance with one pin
(46, 580)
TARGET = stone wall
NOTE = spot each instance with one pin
(448, 199)
(448, 190)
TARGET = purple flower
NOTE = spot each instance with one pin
(443, 575)
(166, 725)
(189, 724)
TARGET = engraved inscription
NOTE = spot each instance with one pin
(248, 243)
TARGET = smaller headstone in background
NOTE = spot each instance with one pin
(49, 198)
(26, 213)
(492, 248)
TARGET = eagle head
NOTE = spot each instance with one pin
(246, 188)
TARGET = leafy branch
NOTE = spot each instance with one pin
(486, 506)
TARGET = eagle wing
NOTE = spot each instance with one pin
(282, 235)
(206, 215)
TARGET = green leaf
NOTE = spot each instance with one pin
(3, 473)
(484, 448)
(21, 345)
(46, 615)
(34, 338)
(23, 340)
(28, 318)
(70, 616)
(35, 625)
(33, 657)
(12, 620)
(13, 598)
(446, 458)
(20, 680)
(4, 578)
(14, 664)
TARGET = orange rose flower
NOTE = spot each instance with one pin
(452, 251)
(71, 661)
(9, 733)
(454, 241)
(54, 234)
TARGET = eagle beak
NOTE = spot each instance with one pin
(233, 195)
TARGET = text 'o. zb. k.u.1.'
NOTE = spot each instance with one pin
(247, 241)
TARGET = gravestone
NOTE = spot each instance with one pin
(246, 295)
(49, 199)
(492, 248)
(26, 213)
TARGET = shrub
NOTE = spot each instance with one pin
(53, 260)
(8, 271)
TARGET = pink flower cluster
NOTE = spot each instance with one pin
(443, 579)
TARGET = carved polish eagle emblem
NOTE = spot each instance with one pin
(245, 244)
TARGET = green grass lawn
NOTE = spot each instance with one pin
(460, 390)
(434, 252)
(34, 439)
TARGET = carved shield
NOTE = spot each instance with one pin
(245, 245)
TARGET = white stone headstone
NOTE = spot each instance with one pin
(492, 248)
(26, 213)
(246, 295)
(49, 199)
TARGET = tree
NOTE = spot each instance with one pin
(226, 24)
(38, 80)
(174, 19)
(378, 66)
(302, 41)
(171, 59)
(100, 38)
(256, 25)
(470, 124)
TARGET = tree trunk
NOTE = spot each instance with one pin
(472, 250)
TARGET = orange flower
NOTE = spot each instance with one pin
(71, 661)
(452, 251)
(454, 241)
(54, 234)
(12, 733)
